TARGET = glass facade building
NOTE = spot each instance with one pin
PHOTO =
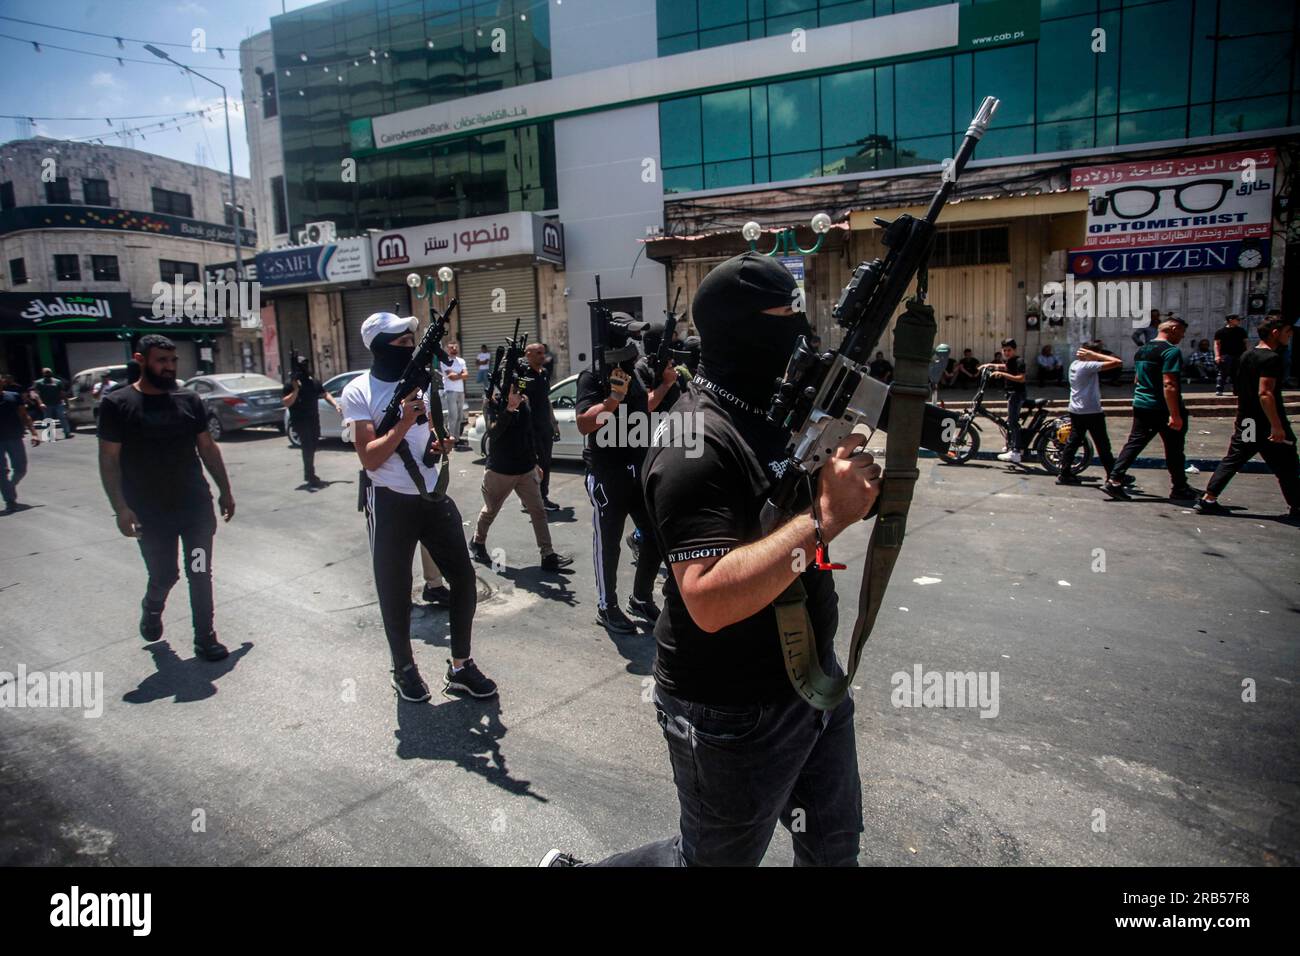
(359, 58)
(1171, 70)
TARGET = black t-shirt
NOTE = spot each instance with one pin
(539, 400)
(971, 365)
(161, 472)
(1232, 342)
(304, 407)
(615, 453)
(646, 374)
(11, 423)
(1015, 366)
(1256, 364)
(705, 503)
(51, 390)
(510, 442)
(879, 368)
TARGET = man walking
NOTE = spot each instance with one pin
(1262, 426)
(1229, 346)
(453, 391)
(512, 466)
(403, 509)
(1086, 414)
(152, 438)
(484, 361)
(1012, 372)
(542, 417)
(54, 395)
(1157, 410)
(14, 421)
(301, 397)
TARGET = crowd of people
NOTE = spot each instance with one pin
(752, 749)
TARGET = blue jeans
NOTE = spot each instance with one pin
(60, 411)
(740, 769)
(1227, 367)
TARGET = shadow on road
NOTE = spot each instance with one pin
(463, 731)
(183, 680)
(551, 585)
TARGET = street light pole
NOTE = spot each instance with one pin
(230, 153)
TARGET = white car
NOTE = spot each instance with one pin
(332, 424)
(564, 398)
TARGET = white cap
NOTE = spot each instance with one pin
(386, 322)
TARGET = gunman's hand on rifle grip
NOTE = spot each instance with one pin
(412, 409)
(618, 384)
(847, 486)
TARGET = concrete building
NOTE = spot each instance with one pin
(86, 234)
(648, 132)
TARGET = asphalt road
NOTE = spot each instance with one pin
(1121, 735)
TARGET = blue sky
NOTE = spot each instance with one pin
(56, 83)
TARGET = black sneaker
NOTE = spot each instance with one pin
(1203, 507)
(1184, 493)
(439, 596)
(633, 545)
(209, 648)
(1293, 514)
(556, 858)
(470, 680)
(646, 609)
(151, 625)
(479, 552)
(1067, 480)
(314, 482)
(1116, 491)
(550, 505)
(612, 618)
(554, 561)
(410, 685)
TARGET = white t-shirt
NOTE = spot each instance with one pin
(457, 365)
(364, 400)
(484, 360)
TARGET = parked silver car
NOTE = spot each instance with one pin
(564, 399)
(83, 406)
(236, 400)
(332, 424)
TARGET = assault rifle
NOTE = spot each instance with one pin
(823, 397)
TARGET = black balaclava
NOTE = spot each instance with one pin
(390, 360)
(743, 350)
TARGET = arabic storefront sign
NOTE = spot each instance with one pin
(129, 220)
(89, 312)
(1189, 257)
(343, 261)
(64, 312)
(510, 234)
(1199, 199)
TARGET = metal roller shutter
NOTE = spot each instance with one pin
(360, 304)
(478, 324)
(291, 326)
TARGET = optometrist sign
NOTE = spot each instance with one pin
(1218, 198)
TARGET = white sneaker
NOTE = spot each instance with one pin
(1011, 456)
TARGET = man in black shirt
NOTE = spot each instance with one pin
(14, 421)
(152, 437)
(545, 428)
(512, 466)
(1262, 426)
(1012, 372)
(746, 750)
(301, 397)
(614, 416)
(54, 393)
(1229, 346)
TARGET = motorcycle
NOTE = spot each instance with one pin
(1041, 437)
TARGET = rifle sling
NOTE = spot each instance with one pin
(913, 347)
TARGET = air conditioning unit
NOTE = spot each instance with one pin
(318, 233)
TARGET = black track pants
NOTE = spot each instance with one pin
(616, 493)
